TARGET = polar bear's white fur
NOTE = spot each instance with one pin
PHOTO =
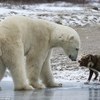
(21, 36)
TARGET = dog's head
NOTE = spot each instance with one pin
(88, 60)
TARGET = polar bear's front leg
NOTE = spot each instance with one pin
(46, 74)
(33, 67)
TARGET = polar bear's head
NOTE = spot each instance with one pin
(68, 39)
(72, 48)
(71, 45)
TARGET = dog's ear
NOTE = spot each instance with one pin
(88, 57)
(93, 59)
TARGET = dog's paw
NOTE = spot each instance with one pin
(87, 82)
(95, 80)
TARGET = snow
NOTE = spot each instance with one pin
(8, 78)
(62, 13)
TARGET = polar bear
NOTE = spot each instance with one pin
(22, 37)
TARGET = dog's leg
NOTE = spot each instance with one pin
(96, 75)
(90, 76)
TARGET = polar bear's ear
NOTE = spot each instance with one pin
(61, 38)
(71, 38)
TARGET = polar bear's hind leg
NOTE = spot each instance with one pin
(13, 58)
(2, 70)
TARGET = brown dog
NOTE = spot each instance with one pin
(93, 63)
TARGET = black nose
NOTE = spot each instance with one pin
(72, 58)
(79, 61)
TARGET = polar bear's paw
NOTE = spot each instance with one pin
(51, 85)
(26, 87)
(38, 85)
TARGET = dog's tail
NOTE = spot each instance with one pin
(94, 70)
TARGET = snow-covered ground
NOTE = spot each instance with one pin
(62, 13)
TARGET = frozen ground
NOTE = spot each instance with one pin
(82, 17)
(69, 91)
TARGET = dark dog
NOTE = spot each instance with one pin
(93, 63)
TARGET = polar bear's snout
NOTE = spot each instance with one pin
(73, 54)
(72, 58)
